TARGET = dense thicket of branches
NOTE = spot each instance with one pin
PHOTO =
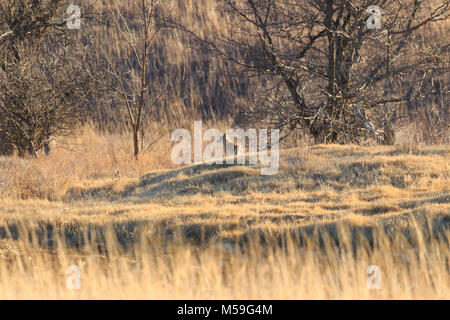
(323, 69)
(43, 83)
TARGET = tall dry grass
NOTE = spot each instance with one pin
(413, 265)
(86, 156)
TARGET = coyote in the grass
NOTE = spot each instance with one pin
(228, 144)
(223, 147)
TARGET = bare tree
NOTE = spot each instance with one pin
(130, 69)
(321, 66)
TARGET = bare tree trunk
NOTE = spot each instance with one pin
(132, 82)
(135, 143)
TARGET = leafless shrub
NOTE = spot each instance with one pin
(43, 83)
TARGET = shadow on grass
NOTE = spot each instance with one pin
(126, 236)
(197, 179)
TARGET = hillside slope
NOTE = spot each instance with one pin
(319, 185)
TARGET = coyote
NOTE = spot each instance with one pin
(227, 143)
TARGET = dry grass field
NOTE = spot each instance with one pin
(149, 230)
(137, 226)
